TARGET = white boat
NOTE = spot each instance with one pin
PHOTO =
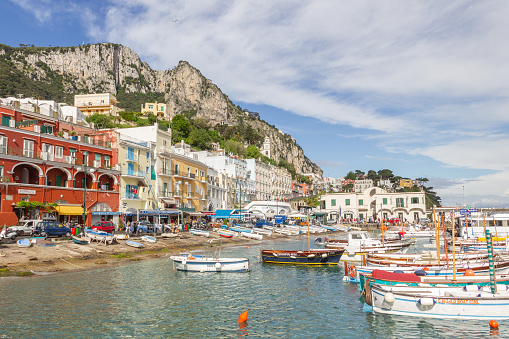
(101, 237)
(412, 231)
(199, 232)
(252, 236)
(149, 238)
(24, 243)
(133, 244)
(467, 302)
(197, 263)
(122, 236)
(359, 243)
(262, 231)
(226, 233)
(286, 231)
(169, 235)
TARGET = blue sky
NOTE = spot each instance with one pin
(418, 87)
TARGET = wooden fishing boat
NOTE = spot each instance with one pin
(80, 240)
(122, 236)
(310, 257)
(252, 236)
(467, 302)
(148, 238)
(240, 229)
(169, 235)
(226, 233)
(199, 232)
(24, 243)
(411, 279)
(194, 263)
(133, 244)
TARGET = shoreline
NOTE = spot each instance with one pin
(66, 256)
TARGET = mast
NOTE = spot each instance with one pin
(309, 239)
(437, 235)
(382, 218)
(453, 249)
(445, 241)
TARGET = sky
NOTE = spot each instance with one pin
(417, 87)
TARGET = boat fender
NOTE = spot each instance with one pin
(352, 271)
(274, 254)
(218, 265)
(427, 301)
(311, 256)
(389, 298)
(293, 257)
(398, 271)
(184, 262)
(325, 255)
(420, 273)
(471, 288)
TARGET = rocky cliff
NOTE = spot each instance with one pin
(112, 68)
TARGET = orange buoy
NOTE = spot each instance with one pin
(425, 269)
(243, 317)
(246, 246)
(493, 324)
(469, 273)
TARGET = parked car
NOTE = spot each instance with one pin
(49, 228)
(144, 227)
(24, 227)
(393, 221)
(424, 220)
(105, 226)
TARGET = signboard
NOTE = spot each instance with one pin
(22, 191)
(468, 211)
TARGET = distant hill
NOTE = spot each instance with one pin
(58, 73)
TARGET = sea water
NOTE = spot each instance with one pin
(152, 299)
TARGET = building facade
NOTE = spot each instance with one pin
(99, 103)
(374, 204)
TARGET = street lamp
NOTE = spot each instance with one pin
(85, 191)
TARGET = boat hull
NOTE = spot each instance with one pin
(453, 304)
(204, 264)
(133, 244)
(313, 257)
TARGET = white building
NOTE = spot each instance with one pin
(261, 174)
(269, 208)
(362, 185)
(374, 203)
(281, 183)
(216, 190)
(267, 147)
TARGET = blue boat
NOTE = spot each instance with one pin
(80, 241)
(241, 229)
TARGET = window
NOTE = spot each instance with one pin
(28, 148)
(3, 144)
(415, 200)
(107, 162)
(148, 155)
(5, 120)
(384, 200)
(147, 170)
(333, 202)
(130, 153)
(399, 202)
(176, 169)
(347, 202)
(85, 157)
(59, 152)
(361, 202)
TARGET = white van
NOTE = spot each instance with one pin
(24, 227)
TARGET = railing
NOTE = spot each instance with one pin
(127, 171)
(165, 193)
(127, 195)
(132, 158)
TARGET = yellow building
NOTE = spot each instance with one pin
(183, 179)
(155, 108)
(408, 183)
(101, 103)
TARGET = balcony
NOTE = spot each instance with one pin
(165, 193)
(165, 171)
(133, 196)
(132, 158)
(133, 173)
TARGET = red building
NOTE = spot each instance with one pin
(45, 159)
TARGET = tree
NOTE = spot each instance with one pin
(385, 174)
(198, 138)
(253, 152)
(101, 120)
(372, 175)
(180, 128)
(351, 176)
(359, 173)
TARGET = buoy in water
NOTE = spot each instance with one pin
(469, 273)
(243, 316)
(493, 325)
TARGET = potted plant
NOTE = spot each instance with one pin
(60, 134)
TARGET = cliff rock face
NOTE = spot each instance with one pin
(109, 67)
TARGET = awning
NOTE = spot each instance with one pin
(170, 211)
(209, 213)
(69, 210)
(168, 200)
(106, 213)
(319, 214)
(141, 183)
(223, 213)
(194, 214)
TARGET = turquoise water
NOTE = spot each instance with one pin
(151, 299)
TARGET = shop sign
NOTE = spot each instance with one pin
(21, 191)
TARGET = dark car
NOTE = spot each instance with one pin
(51, 228)
(143, 227)
(105, 226)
